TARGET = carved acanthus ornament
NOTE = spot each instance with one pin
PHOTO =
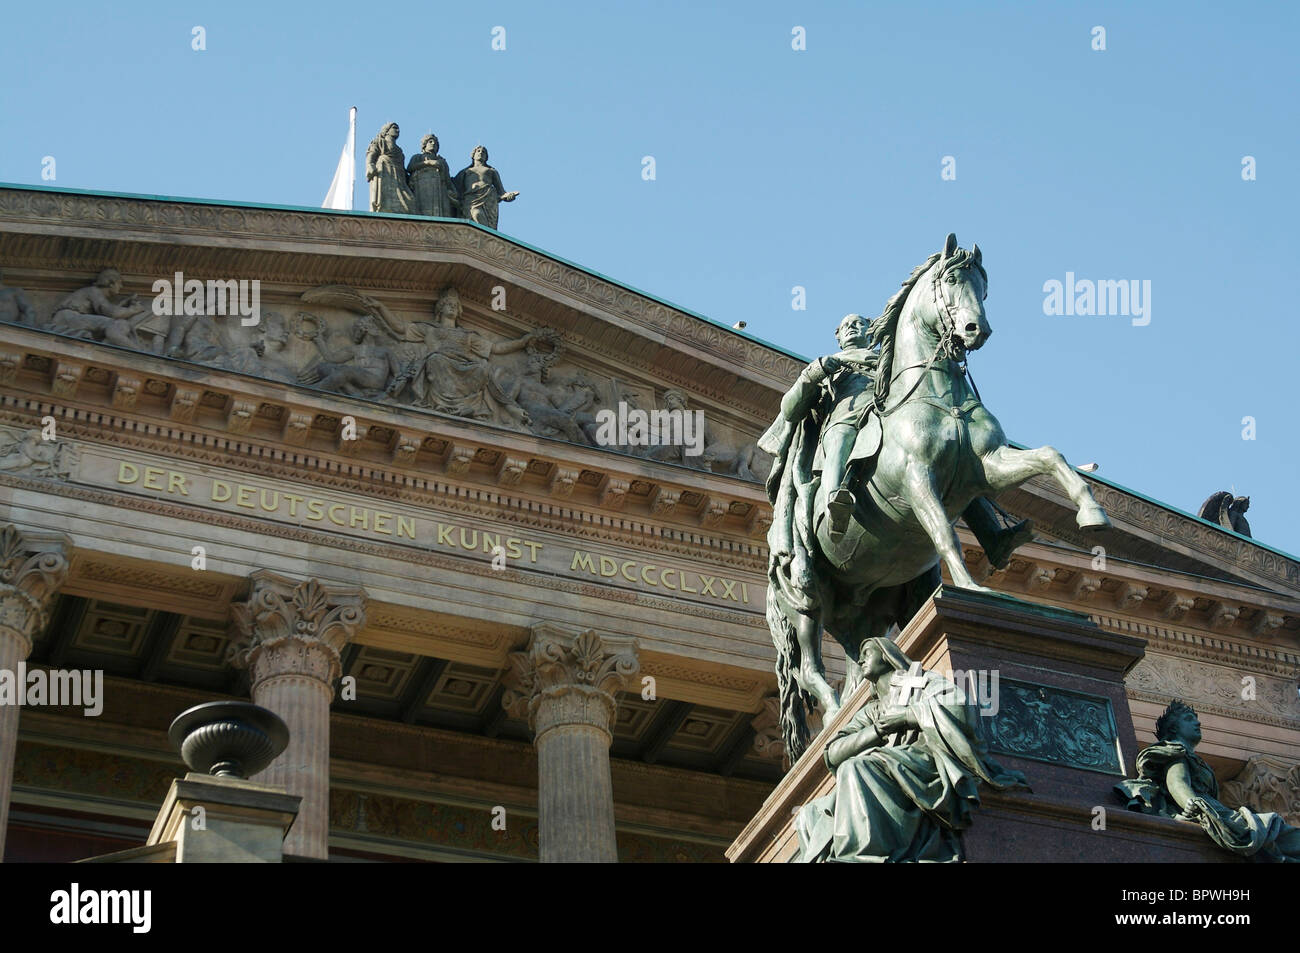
(713, 513)
(1039, 577)
(32, 567)
(126, 391)
(614, 493)
(289, 627)
(1222, 615)
(1130, 596)
(66, 377)
(512, 471)
(459, 459)
(568, 678)
(1177, 606)
(1267, 783)
(10, 362)
(185, 400)
(1085, 586)
(240, 416)
(563, 481)
(665, 502)
(406, 449)
(1266, 624)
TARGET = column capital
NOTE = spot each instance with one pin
(569, 677)
(32, 567)
(294, 627)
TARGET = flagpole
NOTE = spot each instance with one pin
(352, 149)
(343, 187)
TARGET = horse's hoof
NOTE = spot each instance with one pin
(1093, 517)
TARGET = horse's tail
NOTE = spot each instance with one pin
(793, 699)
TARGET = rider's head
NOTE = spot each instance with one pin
(852, 331)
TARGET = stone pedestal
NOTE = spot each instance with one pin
(1050, 684)
(565, 684)
(32, 567)
(209, 820)
(289, 635)
(1059, 711)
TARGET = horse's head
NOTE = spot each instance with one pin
(959, 286)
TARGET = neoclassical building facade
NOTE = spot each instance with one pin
(378, 504)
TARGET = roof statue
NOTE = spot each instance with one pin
(426, 187)
(1228, 511)
(386, 173)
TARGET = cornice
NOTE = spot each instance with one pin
(1149, 603)
(180, 223)
(262, 427)
(1142, 526)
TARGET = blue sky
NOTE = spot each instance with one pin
(776, 168)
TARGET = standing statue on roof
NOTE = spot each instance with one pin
(480, 189)
(386, 173)
(431, 181)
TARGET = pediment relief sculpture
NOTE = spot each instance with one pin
(29, 453)
(348, 342)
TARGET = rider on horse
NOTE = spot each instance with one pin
(840, 389)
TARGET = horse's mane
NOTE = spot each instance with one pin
(883, 329)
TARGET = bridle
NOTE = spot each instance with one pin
(947, 330)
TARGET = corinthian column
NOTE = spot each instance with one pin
(32, 567)
(565, 683)
(289, 635)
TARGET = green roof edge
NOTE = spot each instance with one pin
(414, 218)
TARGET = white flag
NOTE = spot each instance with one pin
(345, 176)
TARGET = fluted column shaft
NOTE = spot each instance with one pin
(290, 635)
(32, 567)
(14, 647)
(566, 683)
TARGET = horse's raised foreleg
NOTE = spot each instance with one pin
(922, 494)
(1007, 467)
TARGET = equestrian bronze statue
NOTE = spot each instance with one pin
(879, 448)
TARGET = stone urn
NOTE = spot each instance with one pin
(228, 739)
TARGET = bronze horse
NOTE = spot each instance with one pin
(861, 525)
